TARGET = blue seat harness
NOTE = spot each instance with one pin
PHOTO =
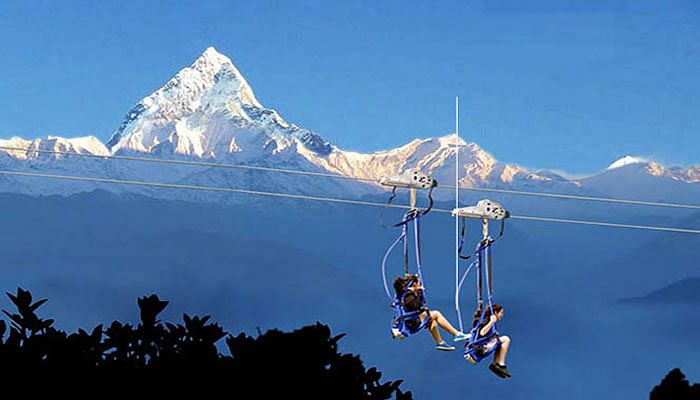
(403, 318)
(477, 347)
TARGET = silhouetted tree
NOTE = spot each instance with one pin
(675, 387)
(303, 364)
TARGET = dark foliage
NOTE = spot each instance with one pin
(303, 364)
(675, 387)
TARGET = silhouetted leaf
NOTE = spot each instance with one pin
(97, 332)
(403, 396)
(373, 374)
(38, 304)
(335, 339)
(150, 307)
(394, 385)
(12, 297)
(24, 298)
(16, 319)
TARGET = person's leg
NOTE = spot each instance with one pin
(435, 333)
(443, 322)
(432, 327)
(500, 356)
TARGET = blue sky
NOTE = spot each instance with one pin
(562, 84)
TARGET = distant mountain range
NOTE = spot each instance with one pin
(208, 111)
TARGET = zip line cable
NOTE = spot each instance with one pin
(586, 198)
(193, 163)
(607, 224)
(203, 188)
(336, 176)
(327, 199)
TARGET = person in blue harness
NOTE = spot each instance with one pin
(497, 343)
(414, 315)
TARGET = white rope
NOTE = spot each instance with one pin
(327, 199)
(336, 176)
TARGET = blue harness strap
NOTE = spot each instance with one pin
(461, 283)
(401, 238)
(406, 322)
(416, 237)
(479, 347)
(408, 217)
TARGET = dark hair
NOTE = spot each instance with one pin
(496, 309)
(401, 283)
(477, 314)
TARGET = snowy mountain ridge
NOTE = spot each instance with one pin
(209, 112)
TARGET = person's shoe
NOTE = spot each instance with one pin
(505, 371)
(470, 359)
(461, 336)
(502, 372)
(396, 334)
(444, 346)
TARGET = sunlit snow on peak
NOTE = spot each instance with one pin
(627, 160)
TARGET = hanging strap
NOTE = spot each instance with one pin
(404, 229)
(503, 230)
(413, 210)
(430, 201)
(411, 215)
(489, 282)
(484, 259)
(459, 288)
(388, 203)
(463, 235)
(414, 216)
(489, 273)
(416, 236)
(474, 338)
(479, 281)
(401, 238)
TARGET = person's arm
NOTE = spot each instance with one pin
(487, 327)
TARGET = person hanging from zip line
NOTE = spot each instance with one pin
(498, 343)
(409, 288)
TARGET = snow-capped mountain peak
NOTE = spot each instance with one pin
(213, 65)
(209, 110)
(436, 157)
(627, 160)
(645, 167)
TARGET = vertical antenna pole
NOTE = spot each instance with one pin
(457, 238)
